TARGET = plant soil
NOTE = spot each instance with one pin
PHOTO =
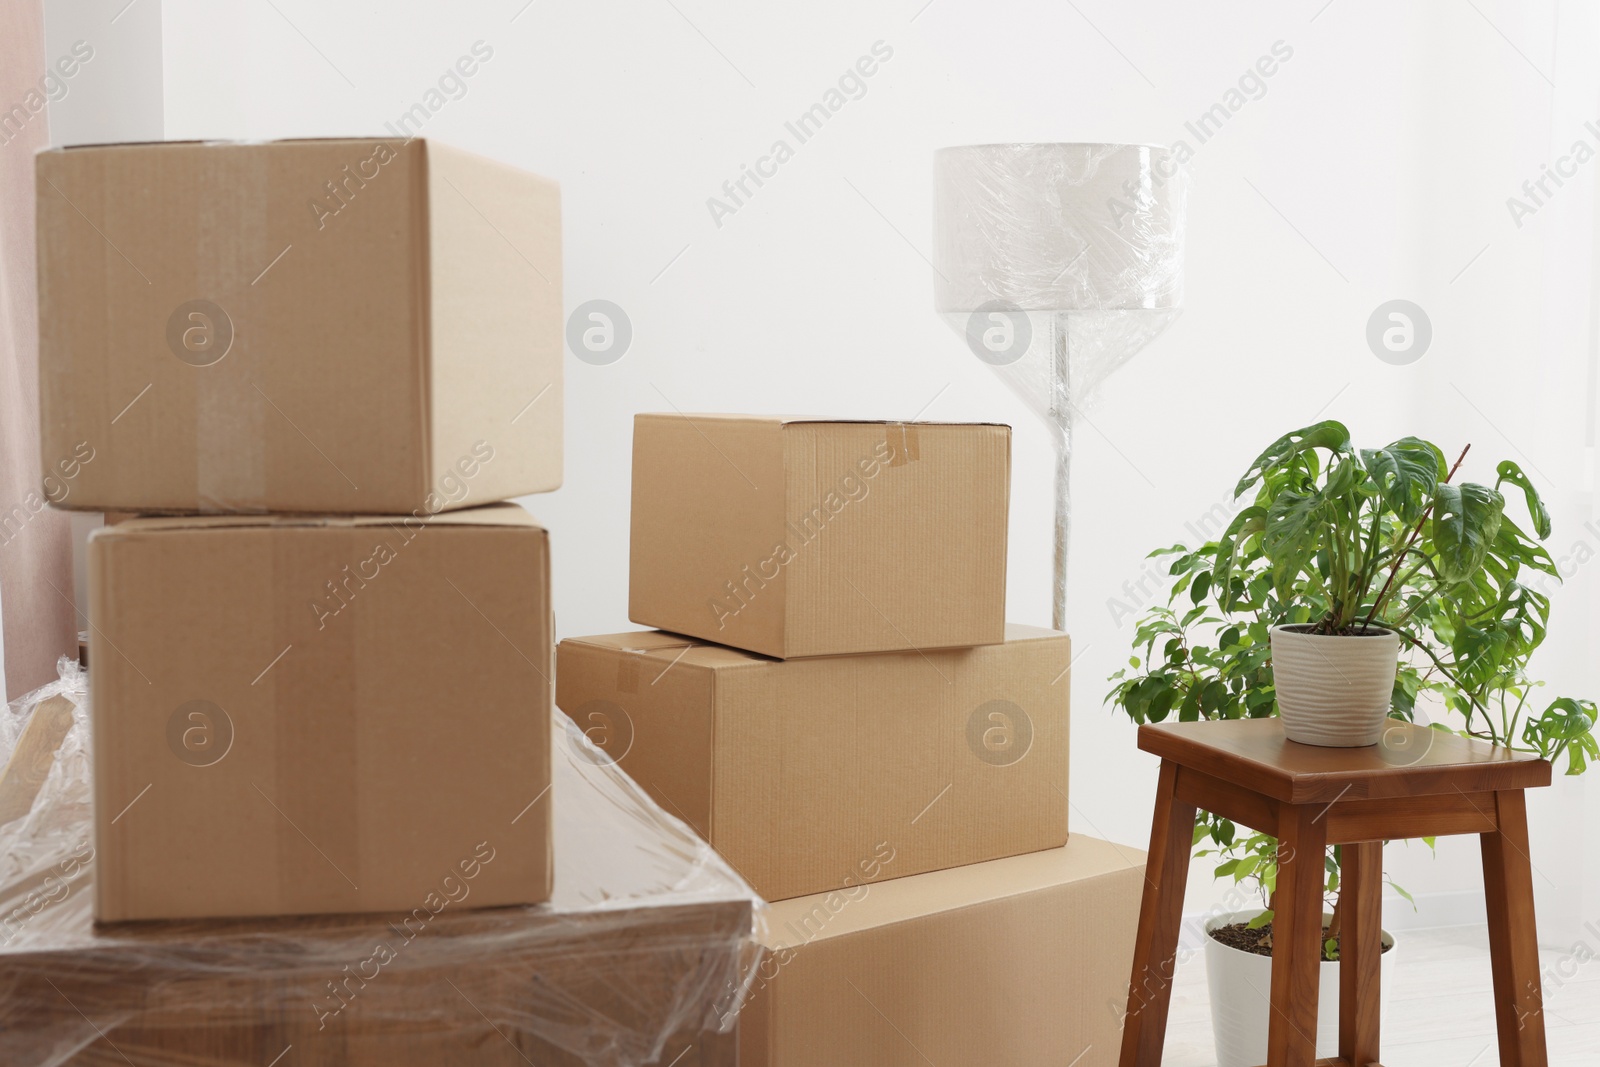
(1357, 630)
(1258, 942)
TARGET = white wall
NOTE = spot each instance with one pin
(115, 94)
(1377, 165)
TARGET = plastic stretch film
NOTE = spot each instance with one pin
(646, 949)
(1057, 263)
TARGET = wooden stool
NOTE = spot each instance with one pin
(1416, 783)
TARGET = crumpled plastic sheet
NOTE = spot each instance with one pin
(1058, 227)
(649, 935)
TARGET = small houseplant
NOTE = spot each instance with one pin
(1339, 542)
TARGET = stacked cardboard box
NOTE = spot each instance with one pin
(302, 379)
(322, 672)
(834, 701)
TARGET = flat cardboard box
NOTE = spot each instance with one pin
(352, 326)
(794, 537)
(1020, 961)
(319, 714)
(817, 774)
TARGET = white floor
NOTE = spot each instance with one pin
(1440, 1012)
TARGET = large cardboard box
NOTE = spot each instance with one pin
(808, 538)
(345, 326)
(1021, 961)
(319, 714)
(817, 774)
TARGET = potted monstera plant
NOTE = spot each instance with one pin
(1425, 579)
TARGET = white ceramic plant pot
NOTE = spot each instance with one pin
(1334, 691)
(1241, 983)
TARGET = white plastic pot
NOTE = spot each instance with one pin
(1241, 987)
(1334, 691)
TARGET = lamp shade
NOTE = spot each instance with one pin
(1057, 227)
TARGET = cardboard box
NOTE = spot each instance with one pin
(807, 538)
(345, 326)
(817, 774)
(319, 715)
(1021, 961)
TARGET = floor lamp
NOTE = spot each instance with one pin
(1057, 263)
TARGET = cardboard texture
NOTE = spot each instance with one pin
(816, 774)
(807, 538)
(319, 715)
(1020, 961)
(342, 326)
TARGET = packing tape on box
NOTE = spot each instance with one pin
(631, 665)
(310, 688)
(628, 670)
(230, 406)
(903, 442)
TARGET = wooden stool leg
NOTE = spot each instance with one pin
(1144, 1028)
(1360, 947)
(1513, 939)
(1297, 937)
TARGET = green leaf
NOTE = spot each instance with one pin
(1260, 920)
(1406, 474)
(1566, 720)
(1251, 520)
(1466, 518)
(1399, 889)
(1327, 434)
(1510, 472)
(1296, 521)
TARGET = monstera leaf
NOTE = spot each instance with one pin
(1510, 472)
(1466, 520)
(1329, 434)
(1293, 536)
(1406, 474)
(1566, 725)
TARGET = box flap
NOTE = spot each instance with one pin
(222, 141)
(801, 420)
(693, 652)
(504, 514)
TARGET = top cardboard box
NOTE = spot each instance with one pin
(336, 326)
(797, 537)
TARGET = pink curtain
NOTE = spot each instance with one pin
(35, 541)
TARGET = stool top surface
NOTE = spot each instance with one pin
(1410, 760)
